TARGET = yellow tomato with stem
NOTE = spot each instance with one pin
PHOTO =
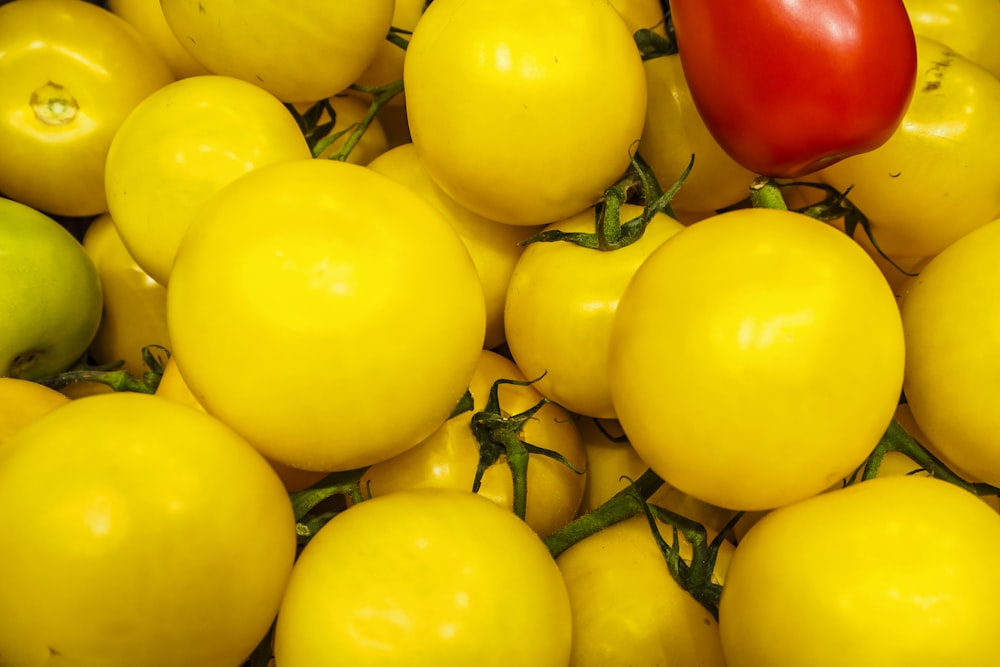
(450, 457)
(628, 609)
(524, 111)
(71, 73)
(353, 299)
(180, 146)
(560, 305)
(299, 51)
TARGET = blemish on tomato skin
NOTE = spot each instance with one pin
(936, 72)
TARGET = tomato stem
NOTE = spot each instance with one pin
(380, 97)
(500, 436)
(343, 483)
(625, 504)
(896, 439)
(113, 375)
(766, 193)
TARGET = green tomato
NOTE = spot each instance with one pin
(51, 301)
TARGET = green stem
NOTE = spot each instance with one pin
(765, 193)
(380, 97)
(625, 504)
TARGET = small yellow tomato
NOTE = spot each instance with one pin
(298, 50)
(628, 609)
(22, 402)
(561, 304)
(71, 73)
(353, 299)
(179, 147)
(524, 111)
(449, 457)
(135, 305)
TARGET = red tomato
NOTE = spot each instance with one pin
(787, 87)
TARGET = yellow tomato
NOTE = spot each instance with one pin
(674, 131)
(628, 609)
(179, 147)
(22, 402)
(431, 577)
(161, 539)
(505, 108)
(449, 457)
(363, 321)
(756, 358)
(299, 51)
(71, 72)
(952, 370)
(970, 27)
(897, 570)
(146, 16)
(561, 303)
(493, 245)
(135, 305)
(938, 176)
(349, 111)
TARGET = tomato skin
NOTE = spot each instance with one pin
(157, 521)
(788, 87)
(732, 333)
(337, 302)
(517, 130)
(449, 456)
(429, 577)
(897, 570)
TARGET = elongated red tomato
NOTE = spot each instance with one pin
(787, 87)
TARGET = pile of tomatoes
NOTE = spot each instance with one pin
(499, 332)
